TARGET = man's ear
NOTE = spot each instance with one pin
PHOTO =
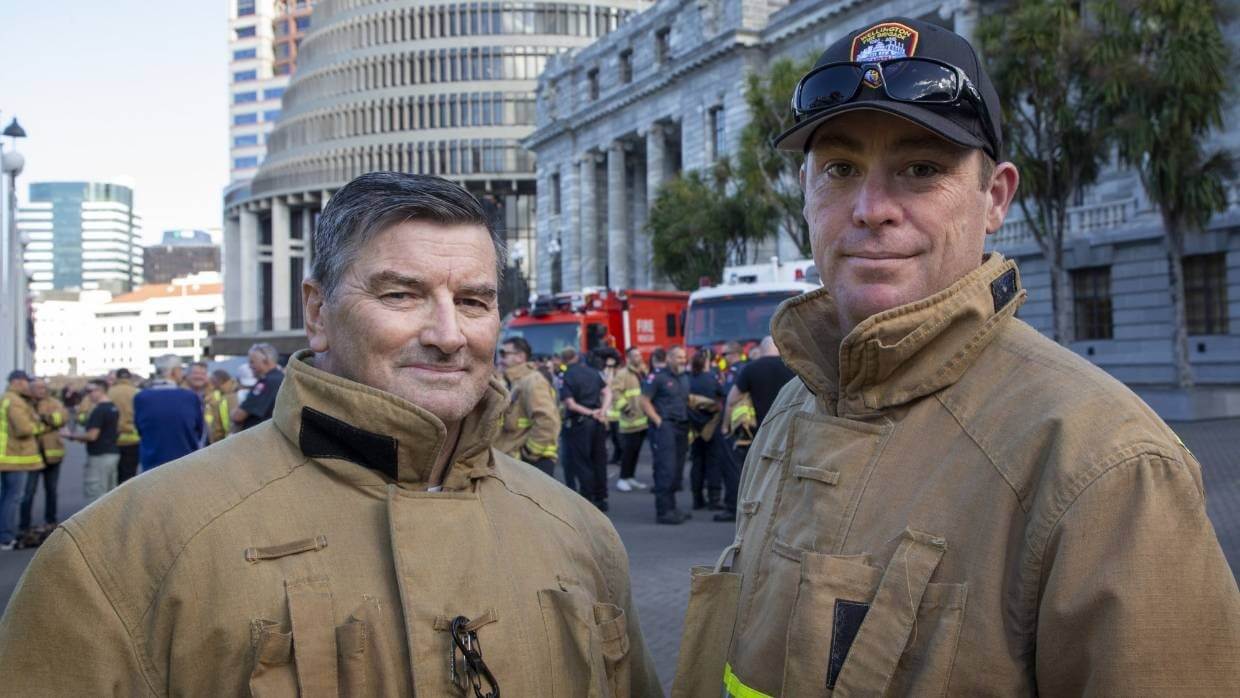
(1002, 190)
(314, 303)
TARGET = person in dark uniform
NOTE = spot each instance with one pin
(665, 399)
(259, 405)
(733, 362)
(705, 409)
(586, 400)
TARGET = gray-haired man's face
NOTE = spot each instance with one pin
(416, 314)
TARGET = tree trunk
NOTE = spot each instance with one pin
(1061, 306)
(1179, 310)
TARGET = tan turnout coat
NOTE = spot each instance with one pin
(306, 556)
(531, 428)
(122, 393)
(947, 503)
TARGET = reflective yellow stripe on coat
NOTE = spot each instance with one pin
(6, 459)
(736, 689)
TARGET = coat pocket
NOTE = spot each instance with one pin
(589, 644)
(857, 629)
(709, 621)
(274, 675)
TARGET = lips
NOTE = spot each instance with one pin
(438, 368)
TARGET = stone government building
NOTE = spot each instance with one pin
(664, 93)
(444, 89)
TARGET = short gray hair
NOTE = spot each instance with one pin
(165, 363)
(376, 201)
(269, 352)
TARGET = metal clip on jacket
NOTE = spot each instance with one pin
(476, 671)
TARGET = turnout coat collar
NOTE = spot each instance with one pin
(899, 355)
(370, 437)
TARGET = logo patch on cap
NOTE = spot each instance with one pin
(883, 42)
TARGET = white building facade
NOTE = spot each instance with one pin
(97, 332)
(81, 236)
(442, 89)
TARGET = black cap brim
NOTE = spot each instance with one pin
(798, 137)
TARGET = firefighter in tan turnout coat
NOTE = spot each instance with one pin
(531, 430)
(368, 540)
(945, 502)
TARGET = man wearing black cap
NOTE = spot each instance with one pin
(944, 502)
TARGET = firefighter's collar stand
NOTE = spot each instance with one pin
(901, 354)
(369, 437)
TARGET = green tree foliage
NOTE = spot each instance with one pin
(1164, 89)
(700, 222)
(1037, 55)
(769, 176)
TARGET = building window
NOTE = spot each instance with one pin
(242, 54)
(245, 163)
(243, 119)
(663, 45)
(273, 93)
(271, 115)
(208, 327)
(626, 66)
(245, 75)
(1091, 303)
(1205, 293)
(245, 97)
(592, 77)
(158, 328)
(555, 194)
(282, 69)
(245, 32)
(303, 23)
(182, 343)
(245, 8)
(717, 133)
(159, 344)
(182, 327)
(242, 141)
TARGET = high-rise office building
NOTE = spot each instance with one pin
(264, 37)
(82, 235)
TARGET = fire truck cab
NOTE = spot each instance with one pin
(596, 318)
(741, 308)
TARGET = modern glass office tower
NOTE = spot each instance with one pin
(82, 235)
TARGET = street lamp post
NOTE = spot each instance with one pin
(13, 341)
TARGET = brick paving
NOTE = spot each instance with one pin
(660, 556)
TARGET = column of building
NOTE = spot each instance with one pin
(247, 265)
(656, 168)
(280, 243)
(617, 219)
(544, 227)
(591, 274)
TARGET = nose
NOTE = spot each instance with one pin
(443, 329)
(875, 206)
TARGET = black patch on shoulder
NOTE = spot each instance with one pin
(847, 622)
(324, 436)
(1003, 289)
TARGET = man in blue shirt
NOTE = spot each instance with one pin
(168, 417)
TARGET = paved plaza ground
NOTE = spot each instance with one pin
(660, 556)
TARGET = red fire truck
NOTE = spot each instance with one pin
(598, 318)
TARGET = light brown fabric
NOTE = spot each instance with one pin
(626, 390)
(531, 424)
(19, 430)
(52, 416)
(253, 566)
(122, 393)
(1012, 520)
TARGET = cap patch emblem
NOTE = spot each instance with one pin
(883, 42)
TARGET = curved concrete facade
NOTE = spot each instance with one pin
(444, 88)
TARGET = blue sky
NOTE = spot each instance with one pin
(122, 88)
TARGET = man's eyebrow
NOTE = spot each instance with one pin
(485, 291)
(931, 143)
(391, 277)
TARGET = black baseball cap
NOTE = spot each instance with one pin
(900, 37)
(18, 374)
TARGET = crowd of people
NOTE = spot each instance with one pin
(567, 409)
(128, 425)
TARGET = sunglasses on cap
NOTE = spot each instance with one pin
(910, 80)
